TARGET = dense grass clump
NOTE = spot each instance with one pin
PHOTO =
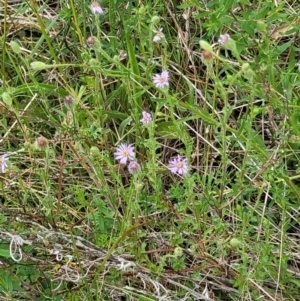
(149, 150)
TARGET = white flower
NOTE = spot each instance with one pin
(178, 165)
(124, 152)
(158, 35)
(224, 38)
(146, 117)
(96, 8)
(3, 163)
(161, 80)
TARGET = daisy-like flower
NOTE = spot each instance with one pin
(158, 35)
(146, 117)
(161, 80)
(133, 166)
(224, 38)
(96, 8)
(3, 163)
(178, 165)
(124, 152)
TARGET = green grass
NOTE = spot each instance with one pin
(76, 225)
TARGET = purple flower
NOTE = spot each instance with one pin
(224, 38)
(3, 163)
(178, 165)
(68, 100)
(158, 35)
(146, 117)
(161, 80)
(124, 152)
(96, 8)
(133, 166)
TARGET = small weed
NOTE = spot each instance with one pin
(149, 151)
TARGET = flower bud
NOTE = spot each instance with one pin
(91, 41)
(133, 167)
(235, 243)
(68, 100)
(155, 20)
(178, 252)
(206, 46)
(41, 142)
(38, 66)
(94, 152)
(245, 67)
(15, 47)
(142, 10)
(7, 99)
(207, 57)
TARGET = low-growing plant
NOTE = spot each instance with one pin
(149, 151)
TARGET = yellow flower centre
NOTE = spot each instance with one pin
(179, 164)
(1, 161)
(125, 153)
(95, 4)
(162, 79)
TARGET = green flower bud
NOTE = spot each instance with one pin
(142, 10)
(245, 67)
(93, 63)
(155, 20)
(256, 111)
(94, 151)
(265, 222)
(38, 66)
(15, 47)
(206, 46)
(235, 243)
(7, 99)
(178, 252)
